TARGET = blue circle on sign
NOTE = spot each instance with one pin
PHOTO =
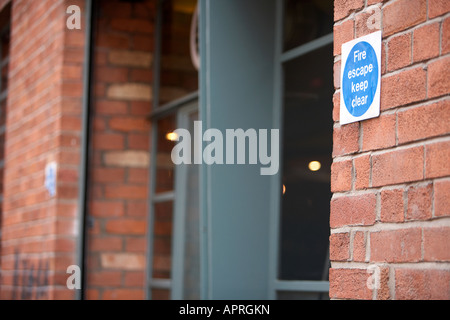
(360, 79)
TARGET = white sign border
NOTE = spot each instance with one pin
(374, 39)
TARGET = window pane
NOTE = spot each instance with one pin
(179, 77)
(306, 20)
(160, 294)
(164, 165)
(162, 240)
(307, 145)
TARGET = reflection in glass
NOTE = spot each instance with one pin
(307, 137)
(160, 294)
(164, 165)
(306, 20)
(179, 77)
(162, 240)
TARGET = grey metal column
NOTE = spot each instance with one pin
(237, 74)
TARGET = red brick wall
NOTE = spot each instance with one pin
(118, 178)
(42, 126)
(391, 175)
(5, 20)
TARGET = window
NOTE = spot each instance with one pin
(306, 86)
(173, 270)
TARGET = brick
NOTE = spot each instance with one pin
(137, 175)
(362, 172)
(131, 159)
(341, 176)
(368, 21)
(403, 88)
(342, 33)
(136, 244)
(123, 261)
(424, 122)
(383, 292)
(339, 247)
(92, 294)
(379, 133)
(370, 2)
(438, 83)
(142, 43)
(167, 94)
(72, 72)
(108, 175)
(141, 75)
(134, 279)
(419, 202)
(436, 162)
(108, 141)
(437, 8)
(349, 284)
(137, 209)
(445, 41)
(118, 9)
(337, 74)
(359, 247)
(137, 141)
(392, 206)
(436, 244)
(111, 74)
(399, 52)
(336, 106)
(422, 284)
(426, 42)
(140, 108)
(69, 123)
(131, 58)
(402, 14)
(112, 41)
(72, 89)
(346, 139)
(129, 124)
(128, 192)
(353, 210)
(394, 246)
(130, 91)
(132, 25)
(343, 8)
(106, 107)
(104, 278)
(102, 244)
(123, 294)
(106, 209)
(67, 175)
(398, 166)
(442, 198)
(126, 226)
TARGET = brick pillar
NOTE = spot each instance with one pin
(118, 187)
(390, 218)
(42, 127)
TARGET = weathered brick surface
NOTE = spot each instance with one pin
(118, 193)
(396, 208)
(42, 126)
